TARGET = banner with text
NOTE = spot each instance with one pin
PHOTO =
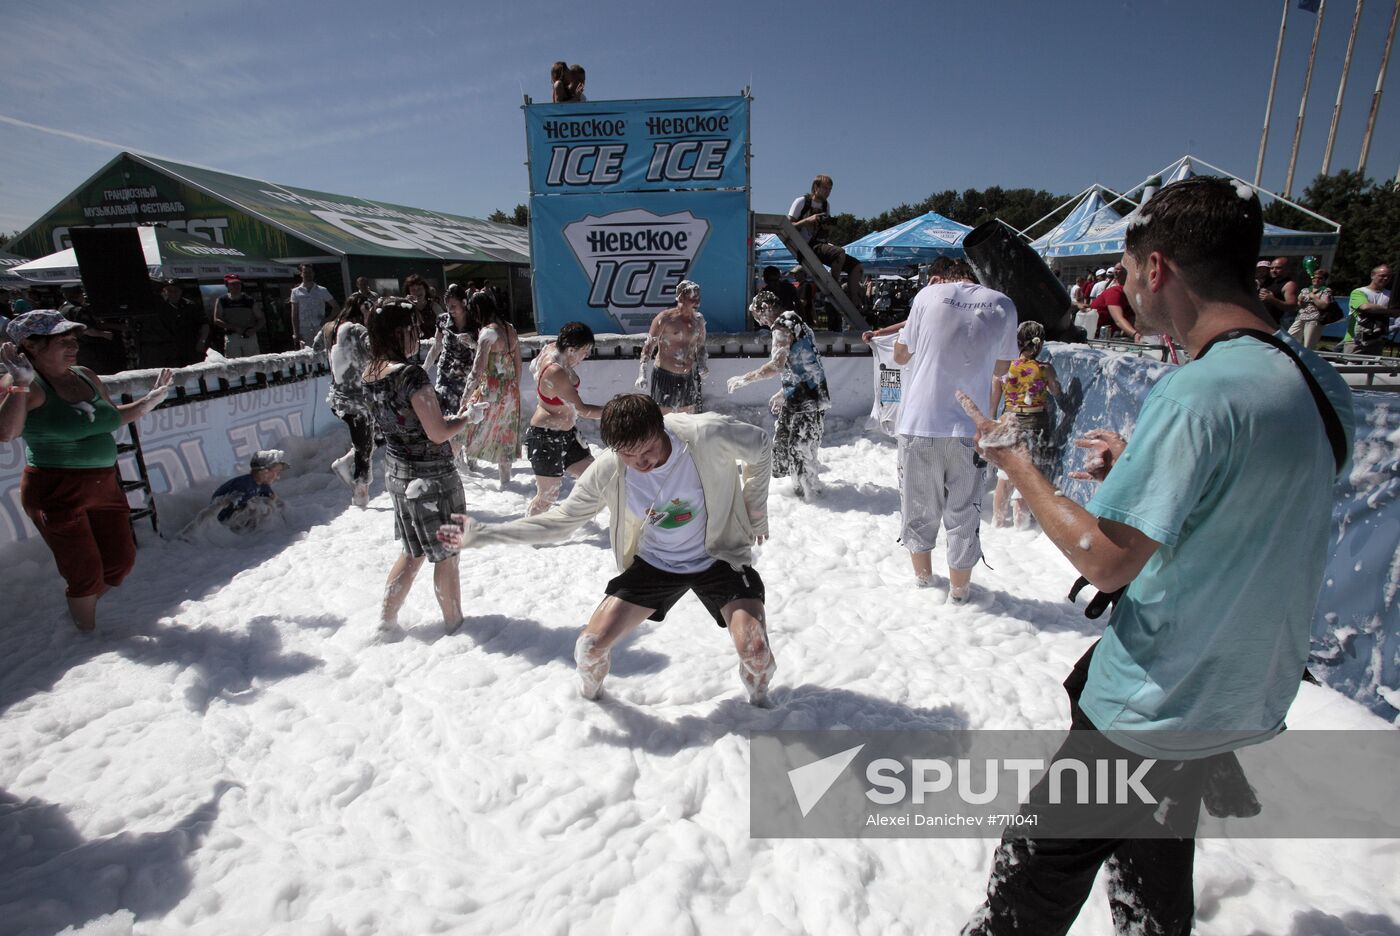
(613, 261)
(194, 443)
(638, 146)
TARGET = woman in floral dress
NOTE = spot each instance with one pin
(494, 380)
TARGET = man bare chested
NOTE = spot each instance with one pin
(674, 361)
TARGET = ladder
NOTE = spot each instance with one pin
(780, 225)
(142, 481)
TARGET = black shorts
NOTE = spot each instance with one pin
(552, 450)
(645, 585)
(828, 254)
(675, 390)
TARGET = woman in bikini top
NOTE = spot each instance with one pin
(557, 383)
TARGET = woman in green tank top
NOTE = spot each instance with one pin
(70, 489)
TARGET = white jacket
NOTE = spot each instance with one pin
(735, 513)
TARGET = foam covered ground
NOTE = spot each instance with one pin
(233, 754)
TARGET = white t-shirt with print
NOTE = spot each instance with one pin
(311, 308)
(957, 332)
(671, 503)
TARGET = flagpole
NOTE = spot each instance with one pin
(1303, 104)
(1269, 107)
(1341, 90)
(1376, 98)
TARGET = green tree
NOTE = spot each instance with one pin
(1368, 213)
(520, 217)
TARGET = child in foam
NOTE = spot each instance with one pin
(247, 501)
(1027, 385)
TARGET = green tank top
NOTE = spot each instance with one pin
(60, 434)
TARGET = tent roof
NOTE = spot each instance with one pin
(1087, 220)
(347, 225)
(169, 254)
(1111, 239)
(923, 238)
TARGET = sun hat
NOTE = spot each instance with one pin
(40, 323)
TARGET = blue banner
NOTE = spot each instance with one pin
(613, 261)
(637, 146)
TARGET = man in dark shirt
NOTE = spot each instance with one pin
(781, 288)
(177, 334)
(1280, 293)
(100, 346)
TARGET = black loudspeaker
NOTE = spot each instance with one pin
(113, 268)
(1005, 262)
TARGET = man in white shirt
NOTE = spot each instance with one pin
(681, 518)
(308, 307)
(1101, 282)
(959, 336)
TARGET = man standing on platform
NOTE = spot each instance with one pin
(308, 307)
(674, 360)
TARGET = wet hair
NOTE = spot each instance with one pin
(820, 180)
(1210, 228)
(630, 420)
(1030, 338)
(351, 311)
(763, 299)
(482, 311)
(686, 289)
(573, 335)
(389, 318)
(962, 270)
(941, 268)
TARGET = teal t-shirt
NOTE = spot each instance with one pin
(1230, 470)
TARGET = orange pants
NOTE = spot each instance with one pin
(83, 515)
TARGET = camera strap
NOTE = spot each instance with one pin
(1335, 434)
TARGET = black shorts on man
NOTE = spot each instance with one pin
(552, 450)
(675, 391)
(645, 585)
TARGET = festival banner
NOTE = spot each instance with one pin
(613, 261)
(638, 146)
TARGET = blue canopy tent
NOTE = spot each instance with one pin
(1108, 241)
(918, 240)
(768, 250)
(1087, 221)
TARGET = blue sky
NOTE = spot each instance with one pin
(418, 103)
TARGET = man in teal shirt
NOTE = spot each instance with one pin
(1216, 517)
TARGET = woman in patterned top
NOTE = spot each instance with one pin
(1312, 306)
(420, 476)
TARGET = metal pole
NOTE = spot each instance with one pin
(1269, 107)
(1303, 104)
(1341, 90)
(1376, 98)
